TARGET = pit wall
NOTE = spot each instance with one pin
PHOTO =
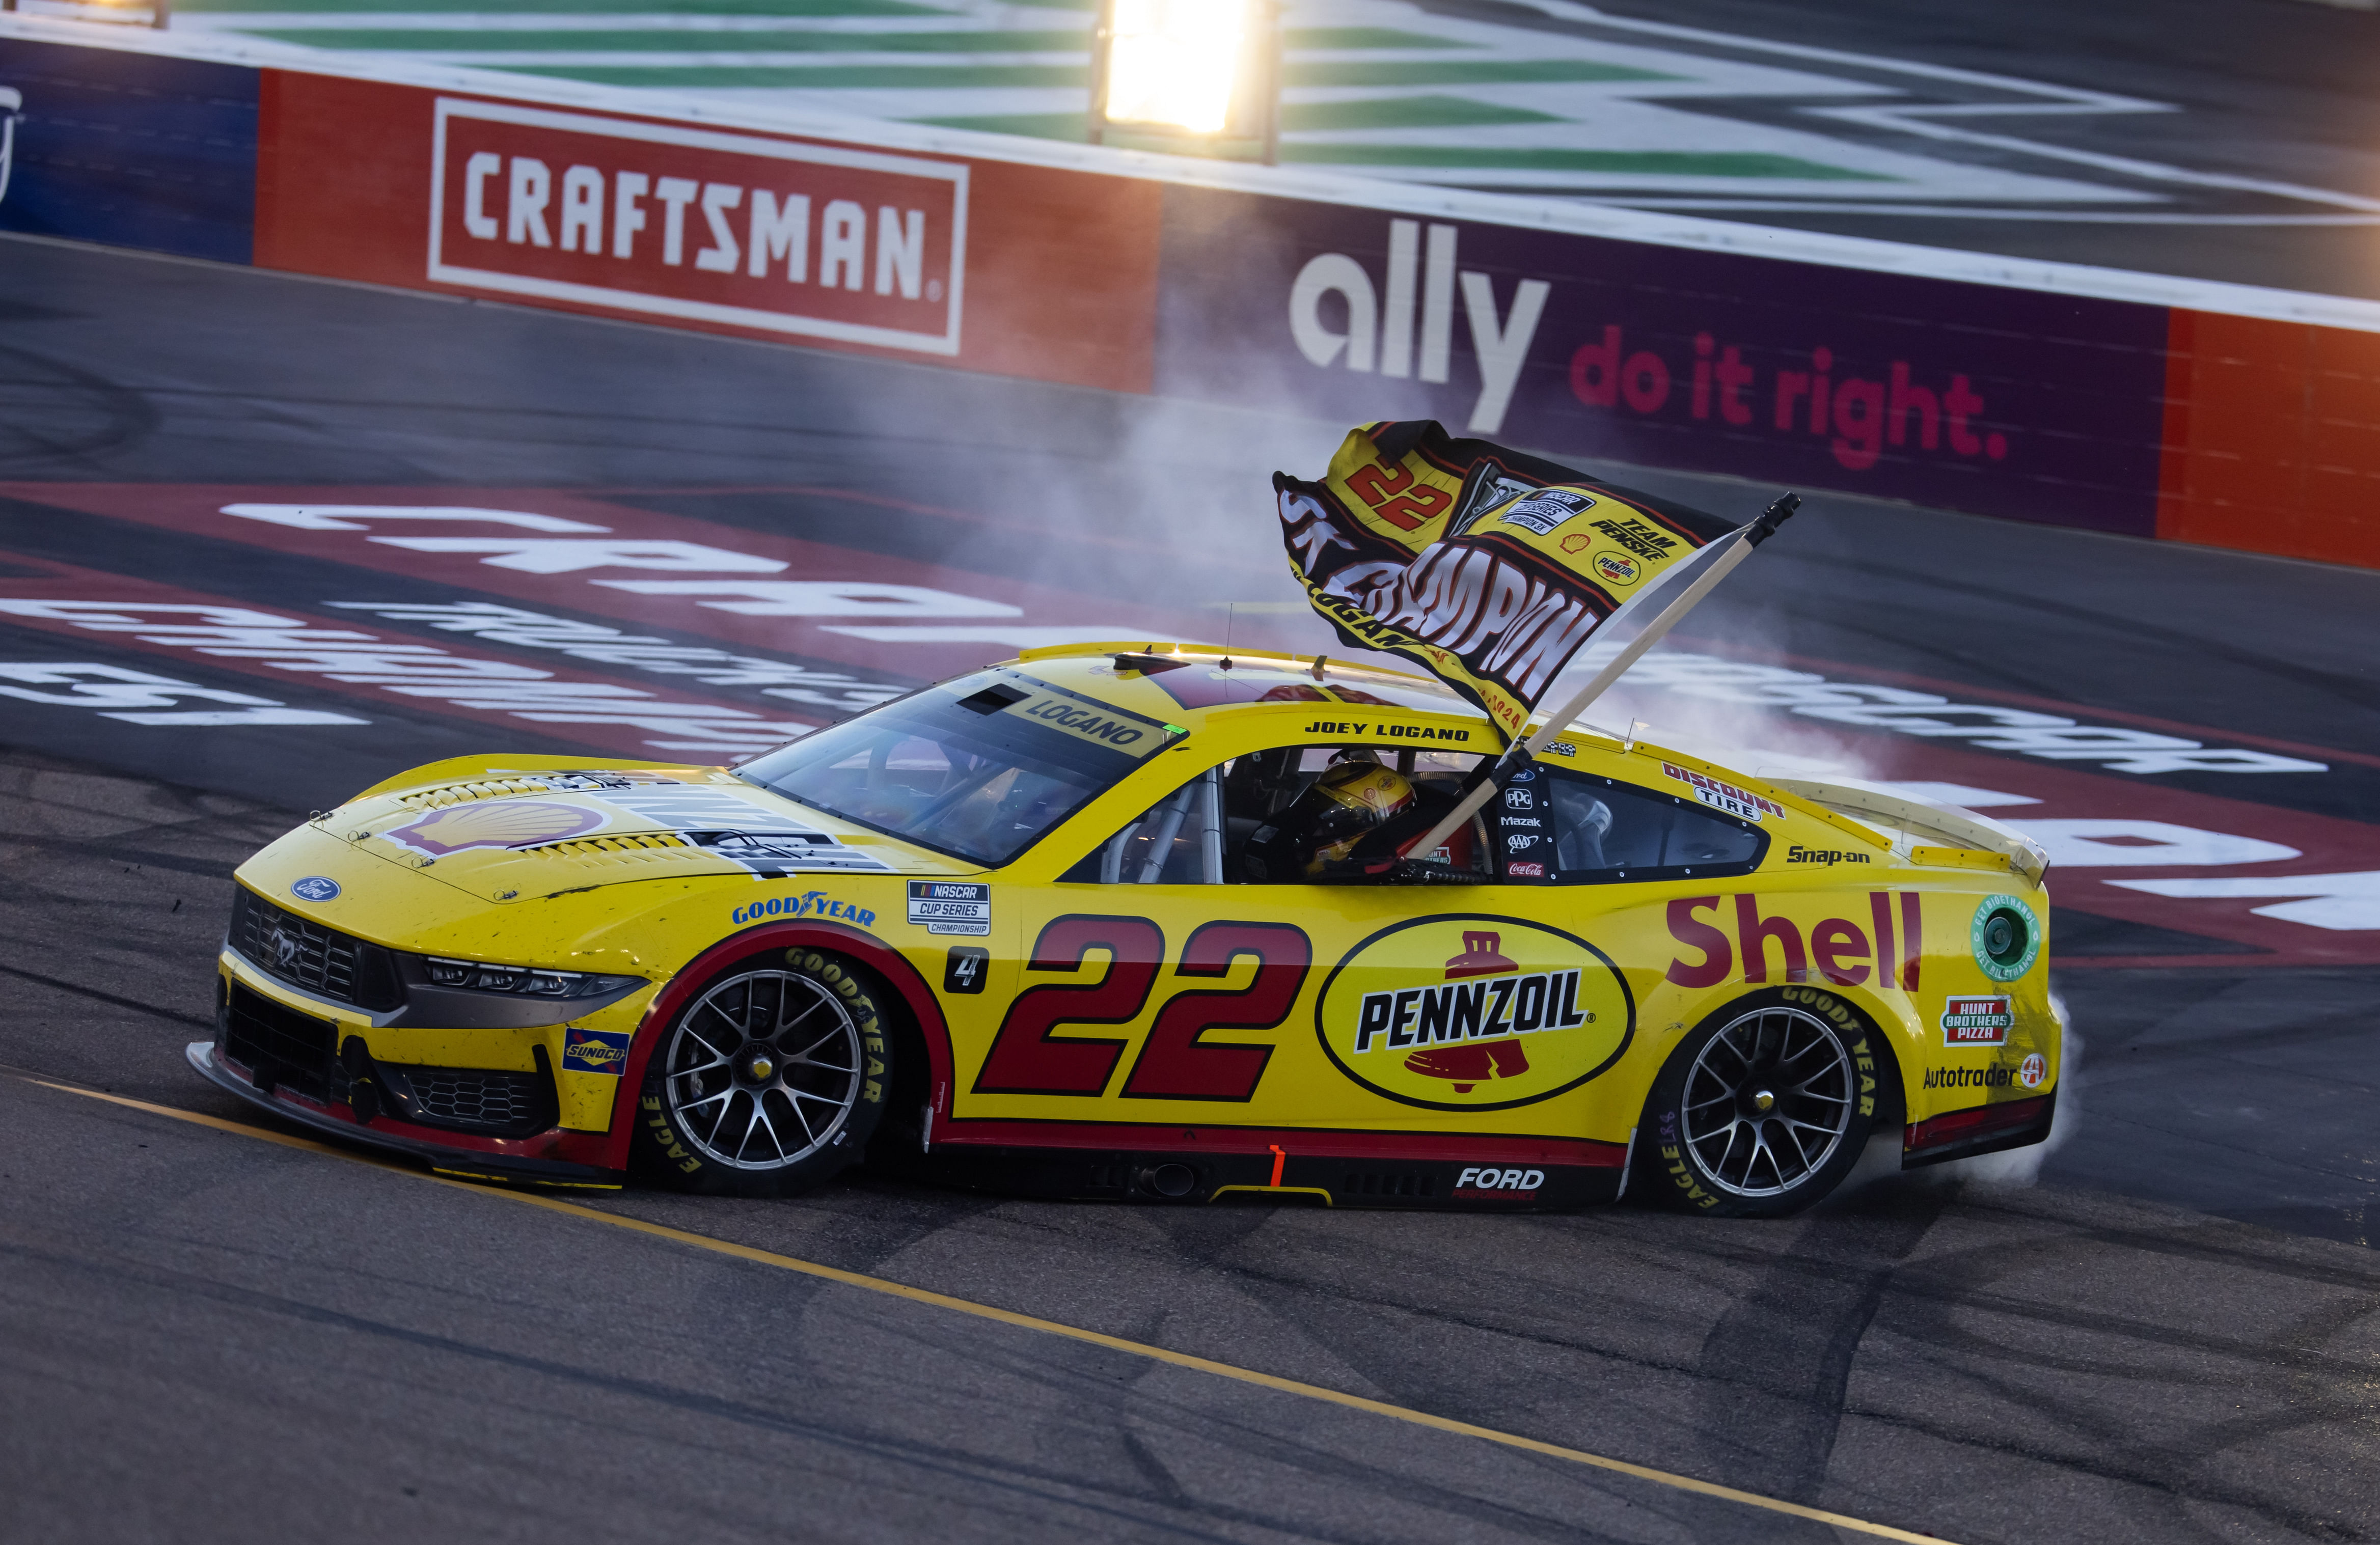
(2146, 406)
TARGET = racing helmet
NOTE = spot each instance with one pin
(1349, 800)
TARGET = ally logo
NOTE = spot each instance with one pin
(1380, 334)
(12, 107)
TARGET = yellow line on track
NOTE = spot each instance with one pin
(1030, 1323)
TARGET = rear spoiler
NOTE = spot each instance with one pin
(1964, 832)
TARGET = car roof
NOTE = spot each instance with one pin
(1182, 684)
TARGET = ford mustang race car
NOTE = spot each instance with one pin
(1137, 921)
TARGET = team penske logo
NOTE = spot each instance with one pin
(1463, 1014)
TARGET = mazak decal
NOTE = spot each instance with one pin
(1459, 1014)
(810, 904)
(496, 823)
(1494, 1185)
(1977, 1022)
(950, 906)
(1741, 803)
(594, 1050)
(697, 225)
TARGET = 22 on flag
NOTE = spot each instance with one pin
(1487, 566)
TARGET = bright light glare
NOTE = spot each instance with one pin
(1175, 62)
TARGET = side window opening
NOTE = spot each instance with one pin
(1292, 815)
(1606, 831)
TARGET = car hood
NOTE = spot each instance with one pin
(509, 836)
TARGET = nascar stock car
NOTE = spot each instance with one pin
(1107, 921)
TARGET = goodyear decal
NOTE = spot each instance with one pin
(810, 904)
(1474, 1013)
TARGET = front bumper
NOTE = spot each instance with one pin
(476, 1160)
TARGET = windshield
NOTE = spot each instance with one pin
(978, 768)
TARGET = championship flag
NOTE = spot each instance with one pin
(1487, 567)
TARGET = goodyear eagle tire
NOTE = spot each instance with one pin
(769, 1080)
(1762, 1107)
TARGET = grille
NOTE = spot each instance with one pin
(463, 793)
(475, 1100)
(280, 1045)
(605, 847)
(305, 954)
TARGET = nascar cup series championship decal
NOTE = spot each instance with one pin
(1473, 1013)
(494, 823)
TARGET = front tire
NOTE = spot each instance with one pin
(1765, 1107)
(770, 1081)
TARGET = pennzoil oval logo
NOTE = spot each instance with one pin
(1473, 1013)
(1618, 567)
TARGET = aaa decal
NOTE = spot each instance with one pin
(496, 823)
(1473, 1013)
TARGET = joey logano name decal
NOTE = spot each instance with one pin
(1474, 1013)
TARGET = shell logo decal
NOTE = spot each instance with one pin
(494, 823)
(1474, 1013)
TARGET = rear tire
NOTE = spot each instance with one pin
(769, 1081)
(1764, 1107)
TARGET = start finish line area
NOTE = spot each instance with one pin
(543, 615)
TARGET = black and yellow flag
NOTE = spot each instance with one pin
(1487, 566)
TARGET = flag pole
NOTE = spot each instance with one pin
(1521, 753)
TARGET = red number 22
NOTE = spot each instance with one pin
(1174, 1062)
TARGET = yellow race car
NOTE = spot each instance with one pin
(1132, 921)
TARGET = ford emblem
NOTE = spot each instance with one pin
(316, 887)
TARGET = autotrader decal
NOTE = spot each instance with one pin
(1474, 1013)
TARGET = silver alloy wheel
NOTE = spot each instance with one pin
(763, 1070)
(1767, 1102)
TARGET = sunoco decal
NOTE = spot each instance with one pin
(594, 1050)
(1473, 1013)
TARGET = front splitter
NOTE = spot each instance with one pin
(467, 1163)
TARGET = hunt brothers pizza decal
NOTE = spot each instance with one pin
(664, 220)
(1474, 1013)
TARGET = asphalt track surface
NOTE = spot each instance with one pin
(2170, 1333)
